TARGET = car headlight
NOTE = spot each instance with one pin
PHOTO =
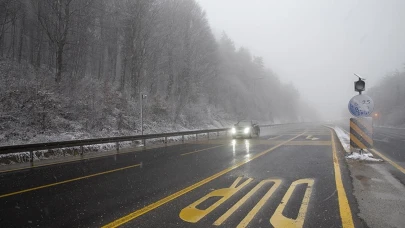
(247, 130)
(233, 130)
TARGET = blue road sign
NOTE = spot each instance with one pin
(361, 105)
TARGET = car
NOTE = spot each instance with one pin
(245, 129)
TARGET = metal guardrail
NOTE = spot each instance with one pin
(87, 142)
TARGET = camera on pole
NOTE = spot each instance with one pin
(360, 85)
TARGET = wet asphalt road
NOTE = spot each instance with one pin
(285, 178)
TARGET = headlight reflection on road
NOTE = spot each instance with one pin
(247, 146)
(233, 146)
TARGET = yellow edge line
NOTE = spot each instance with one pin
(173, 196)
(201, 150)
(400, 168)
(67, 181)
(344, 207)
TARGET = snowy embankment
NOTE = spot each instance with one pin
(92, 149)
(345, 141)
(344, 138)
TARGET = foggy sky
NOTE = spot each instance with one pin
(318, 44)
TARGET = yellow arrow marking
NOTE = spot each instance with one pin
(192, 214)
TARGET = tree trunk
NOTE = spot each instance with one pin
(12, 38)
(51, 55)
(39, 50)
(123, 70)
(59, 61)
(171, 76)
(20, 49)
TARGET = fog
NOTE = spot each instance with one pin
(317, 44)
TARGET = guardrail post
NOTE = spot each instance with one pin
(208, 136)
(166, 140)
(117, 146)
(81, 151)
(144, 142)
(32, 157)
(182, 138)
(196, 137)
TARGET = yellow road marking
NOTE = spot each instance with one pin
(225, 216)
(192, 214)
(400, 168)
(279, 220)
(344, 207)
(201, 150)
(259, 205)
(173, 196)
(67, 181)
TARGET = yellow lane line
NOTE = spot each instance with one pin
(173, 196)
(400, 168)
(201, 150)
(344, 207)
(67, 181)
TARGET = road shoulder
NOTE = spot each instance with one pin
(379, 194)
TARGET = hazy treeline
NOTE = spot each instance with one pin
(389, 99)
(101, 54)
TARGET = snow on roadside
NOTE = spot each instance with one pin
(366, 156)
(344, 138)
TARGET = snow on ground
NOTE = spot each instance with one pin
(344, 138)
(365, 156)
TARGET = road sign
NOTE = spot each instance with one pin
(361, 105)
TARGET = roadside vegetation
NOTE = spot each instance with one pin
(389, 99)
(76, 69)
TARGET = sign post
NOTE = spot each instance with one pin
(361, 127)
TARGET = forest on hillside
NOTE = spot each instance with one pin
(81, 65)
(389, 100)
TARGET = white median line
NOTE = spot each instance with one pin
(274, 137)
